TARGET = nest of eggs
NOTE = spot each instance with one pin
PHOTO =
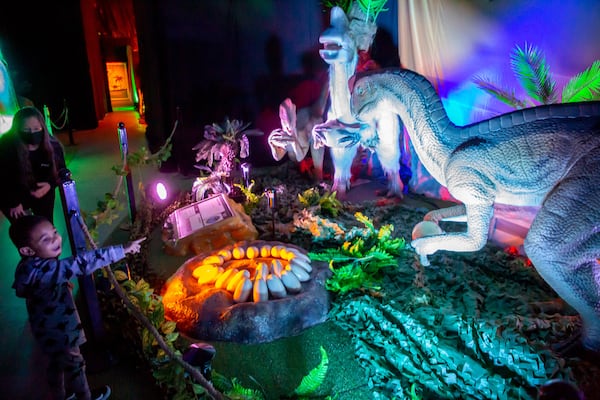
(255, 273)
(249, 292)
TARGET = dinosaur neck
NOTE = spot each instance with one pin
(433, 135)
(339, 73)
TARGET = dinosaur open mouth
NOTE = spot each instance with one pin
(332, 46)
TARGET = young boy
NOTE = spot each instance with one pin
(44, 281)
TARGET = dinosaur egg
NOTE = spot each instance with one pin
(426, 228)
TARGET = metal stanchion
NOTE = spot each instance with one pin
(87, 286)
(128, 178)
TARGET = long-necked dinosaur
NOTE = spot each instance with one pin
(342, 42)
(546, 155)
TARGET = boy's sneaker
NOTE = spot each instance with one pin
(97, 394)
(101, 393)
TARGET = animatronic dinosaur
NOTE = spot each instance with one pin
(342, 41)
(546, 155)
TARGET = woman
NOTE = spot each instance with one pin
(30, 161)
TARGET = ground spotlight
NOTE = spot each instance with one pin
(160, 192)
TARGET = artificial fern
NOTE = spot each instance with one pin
(585, 86)
(533, 73)
(505, 96)
(311, 382)
(327, 203)
(358, 262)
(238, 392)
(530, 67)
(371, 8)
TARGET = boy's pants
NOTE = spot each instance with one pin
(66, 374)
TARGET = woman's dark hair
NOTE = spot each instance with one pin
(22, 152)
(20, 230)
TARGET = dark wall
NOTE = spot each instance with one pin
(200, 61)
(45, 49)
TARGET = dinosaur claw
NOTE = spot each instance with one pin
(349, 140)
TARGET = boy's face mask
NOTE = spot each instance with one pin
(32, 137)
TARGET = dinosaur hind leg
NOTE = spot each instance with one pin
(564, 244)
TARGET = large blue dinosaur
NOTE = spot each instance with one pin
(546, 156)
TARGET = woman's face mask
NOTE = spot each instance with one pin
(32, 137)
(32, 131)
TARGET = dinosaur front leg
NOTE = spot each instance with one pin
(341, 158)
(317, 155)
(388, 150)
(478, 222)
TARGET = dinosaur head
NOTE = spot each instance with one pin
(364, 96)
(338, 45)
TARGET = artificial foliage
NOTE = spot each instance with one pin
(224, 144)
(371, 8)
(365, 254)
(219, 155)
(251, 199)
(532, 72)
(470, 326)
(313, 381)
(325, 201)
(108, 209)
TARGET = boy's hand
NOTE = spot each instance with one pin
(133, 247)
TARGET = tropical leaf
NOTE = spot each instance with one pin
(502, 95)
(584, 86)
(530, 67)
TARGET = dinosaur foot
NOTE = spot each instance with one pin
(389, 194)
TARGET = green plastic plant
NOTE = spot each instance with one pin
(311, 382)
(308, 386)
(365, 253)
(168, 373)
(533, 74)
(371, 8)
(252, 199)
(326, 203)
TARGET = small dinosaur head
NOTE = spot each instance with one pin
(363, 95)
(338, 45)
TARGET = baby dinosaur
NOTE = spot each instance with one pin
(547, 156)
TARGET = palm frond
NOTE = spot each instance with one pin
(531, 70)
(584, 86)
(372, 8)
(504, 96)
